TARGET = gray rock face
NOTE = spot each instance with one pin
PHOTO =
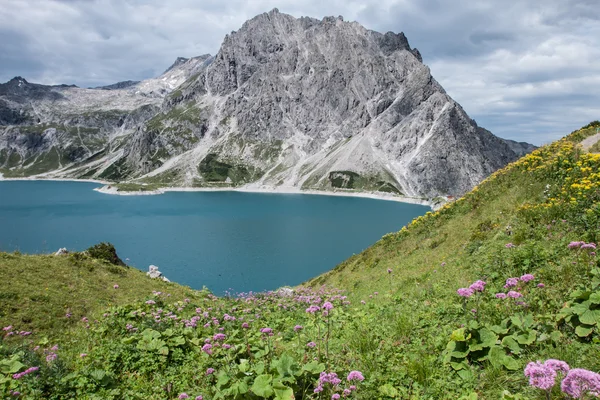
(294, 102)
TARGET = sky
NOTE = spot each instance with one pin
(527, 70)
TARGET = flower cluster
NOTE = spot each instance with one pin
(577, 383)
(24, 373)
(477, 286)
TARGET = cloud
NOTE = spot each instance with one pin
(528, 70)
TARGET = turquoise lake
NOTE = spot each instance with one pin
(222, 240)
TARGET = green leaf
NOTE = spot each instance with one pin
(128, 339)
(581, 308)
(510, 363)
(496, 356)
(285, 366)
(282, 392)
(527, 338)
(500, 330)
(590, 317)
(510, 343)
(487, 337)
(222, 379)
(177, 341)
(11, 366)
(236, 389)
(583, 330)
(244, 366)
(556, 336)
(595, 298)
(457, 366)
(262, 386)
(459, 335)
(388, 390)
(313, 367)
(259, 368)
(465, 374)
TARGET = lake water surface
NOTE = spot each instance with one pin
(221, 240)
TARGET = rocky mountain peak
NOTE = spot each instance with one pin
(305, 103)
(178, 62)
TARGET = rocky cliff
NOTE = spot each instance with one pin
(303, 103)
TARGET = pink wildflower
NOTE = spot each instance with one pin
(210, 371)
(580, 382)
(478, 286)
(327, 306)
(557, 365)
(465, 292)
(355, 376)
(298, 328)
(183, 396)
(540, 376)
(116, 286)
(511, 282)
(500, 295)
(514, 295)
(527, 278)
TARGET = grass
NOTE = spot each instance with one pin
(39, 290)
(396, 317)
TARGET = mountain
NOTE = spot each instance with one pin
(286, 102)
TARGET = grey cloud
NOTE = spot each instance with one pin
(527, 70)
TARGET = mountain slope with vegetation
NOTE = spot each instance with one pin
(455, 305)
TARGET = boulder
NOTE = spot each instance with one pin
(61, 252)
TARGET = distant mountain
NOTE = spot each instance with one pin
(118, 85)
(286, 102)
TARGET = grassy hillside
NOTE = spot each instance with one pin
(47, 293)
(455, 305)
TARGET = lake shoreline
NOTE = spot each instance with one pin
(109, 188)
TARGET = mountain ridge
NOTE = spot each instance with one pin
(286, 102)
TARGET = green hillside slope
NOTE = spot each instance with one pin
(455, 305)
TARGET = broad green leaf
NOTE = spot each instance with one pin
(595, 298)
(465, 374)
(314, 367)
(487, 337)
(262, 386)
(284, 365)
(581, 308)
(128, 339)
(10, 366)
(222, 379)
(457, 366)
(500, 330)
(583, 330)
(556, 336)
(282, 392)
(244, 365)
(590, 317)
(259, 368)
(510, 343)
(496, 356)
(510, 363)
(388, 390)
(177, 341)
(527, 338)
(459, 335)
(236, 389)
